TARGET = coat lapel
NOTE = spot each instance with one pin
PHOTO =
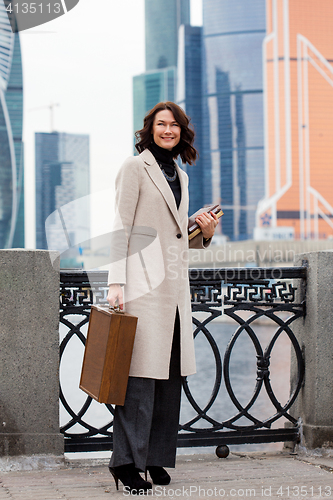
(183, 207)
(156, 175)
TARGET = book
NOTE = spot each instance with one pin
(193, 226)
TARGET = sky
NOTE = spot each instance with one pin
(83, 62)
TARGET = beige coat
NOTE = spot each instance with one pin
(153, 264)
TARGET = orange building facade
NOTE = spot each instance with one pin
(298, 114)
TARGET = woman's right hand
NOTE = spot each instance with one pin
(115, 296)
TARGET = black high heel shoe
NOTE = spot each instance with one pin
(158, 475)
(130, 478)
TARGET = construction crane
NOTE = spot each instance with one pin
(51, 108)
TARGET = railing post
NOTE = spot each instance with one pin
(315, 335)
(29, 355)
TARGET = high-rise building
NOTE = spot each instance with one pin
(189, 97)
(233, 129)
(162, 21)
(298, 81)
(150, 88)
(158, 83)
(62, 176)
(11, 146)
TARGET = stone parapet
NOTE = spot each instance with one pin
(314, 404)
(29, 354)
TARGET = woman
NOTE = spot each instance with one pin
(152, 209)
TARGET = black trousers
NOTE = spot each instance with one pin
(145, 429)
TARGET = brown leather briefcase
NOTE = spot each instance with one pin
(107, 355)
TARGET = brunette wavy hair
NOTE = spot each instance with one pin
(185, 147)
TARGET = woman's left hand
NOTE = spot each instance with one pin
(207, 222)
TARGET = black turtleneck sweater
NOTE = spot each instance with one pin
(164, 158)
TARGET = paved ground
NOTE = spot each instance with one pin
(241, 475)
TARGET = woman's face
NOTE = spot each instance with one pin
(166, 131)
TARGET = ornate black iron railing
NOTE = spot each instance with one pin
(229, 307)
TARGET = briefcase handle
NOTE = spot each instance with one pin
(110, 308)
(116, 309)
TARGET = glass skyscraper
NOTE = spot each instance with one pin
(150, 88)
(298, 84)
(11, 146)
(233, 133)
(162, 21)
(62, 177)
(158, 83)
(189, 97)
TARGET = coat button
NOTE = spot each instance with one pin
(179, 235)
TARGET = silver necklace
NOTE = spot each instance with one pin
(170, 179)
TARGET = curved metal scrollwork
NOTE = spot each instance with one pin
(263, 363)
(202, 412)
(248, 296)
(76, 297)
(78, 417)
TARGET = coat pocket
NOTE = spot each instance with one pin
(141, 237)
